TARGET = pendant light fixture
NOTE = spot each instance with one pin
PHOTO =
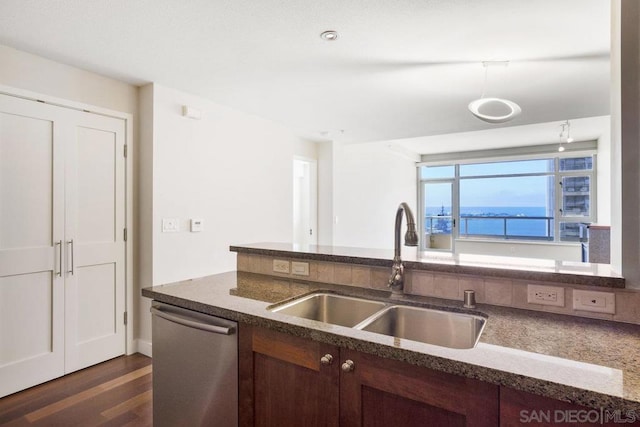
(491, 109)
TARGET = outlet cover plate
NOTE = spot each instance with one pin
(280, 266)
(598, 302)
(300, 268)
(545, 295)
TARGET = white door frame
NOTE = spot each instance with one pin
(313, 214)
(128, 118)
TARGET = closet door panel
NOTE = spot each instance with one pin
(98, 297)
(25, 299)
(95, 221)
(96, 167)
(26, 181)
(31, 235)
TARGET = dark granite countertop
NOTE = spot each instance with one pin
(568, 272)
(589, 362)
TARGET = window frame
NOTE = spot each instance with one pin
(556, 175)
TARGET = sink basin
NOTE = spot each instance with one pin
(331, 308)
(431, 326)
(443, 328)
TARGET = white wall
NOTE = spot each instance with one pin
(603, 173)
(37, 74)
(616, 138)
(325, 193)
(369, 182)
(629, 160)
(305, 148)
(144, 236)
(230, 169)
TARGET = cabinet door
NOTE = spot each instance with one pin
(283, 382)
(31, 237)
(383, 392)
(94, 243)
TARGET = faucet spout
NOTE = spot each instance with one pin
(396, 281)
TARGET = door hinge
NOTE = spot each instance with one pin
(125, 318)
(125, 150)
(125, 234)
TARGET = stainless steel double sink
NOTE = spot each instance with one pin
(444, 328)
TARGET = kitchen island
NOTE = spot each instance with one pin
(588, 362)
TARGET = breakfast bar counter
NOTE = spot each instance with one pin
(589, 362)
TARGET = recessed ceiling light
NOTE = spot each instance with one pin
(329, 35)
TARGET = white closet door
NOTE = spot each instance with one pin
(95, 247)
(31, 225)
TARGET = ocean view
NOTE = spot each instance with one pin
(478, 220)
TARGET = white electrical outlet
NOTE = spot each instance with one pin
(280, 266)
(170, 225)
(545, 295)
(599, 302)
(300, 268)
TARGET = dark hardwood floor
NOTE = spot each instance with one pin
(113, 393)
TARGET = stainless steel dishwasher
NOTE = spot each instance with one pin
(195, 368)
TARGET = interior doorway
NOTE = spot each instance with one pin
(305, 201)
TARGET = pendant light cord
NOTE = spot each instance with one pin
(486, 78)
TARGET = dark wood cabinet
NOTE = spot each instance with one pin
(383, 392)
(284, 383)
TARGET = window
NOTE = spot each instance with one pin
(576, 183)
(534, 199)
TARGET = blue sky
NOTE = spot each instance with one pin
(529, 191)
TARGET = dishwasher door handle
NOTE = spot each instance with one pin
(192, 323)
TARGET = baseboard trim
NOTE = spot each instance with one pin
(144, 347)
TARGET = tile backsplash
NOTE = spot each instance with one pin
(489, 290)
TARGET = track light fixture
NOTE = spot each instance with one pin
(565, 135)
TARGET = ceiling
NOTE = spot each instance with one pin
(399, 69)
(584, 129)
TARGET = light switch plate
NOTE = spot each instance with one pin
(170, 225)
